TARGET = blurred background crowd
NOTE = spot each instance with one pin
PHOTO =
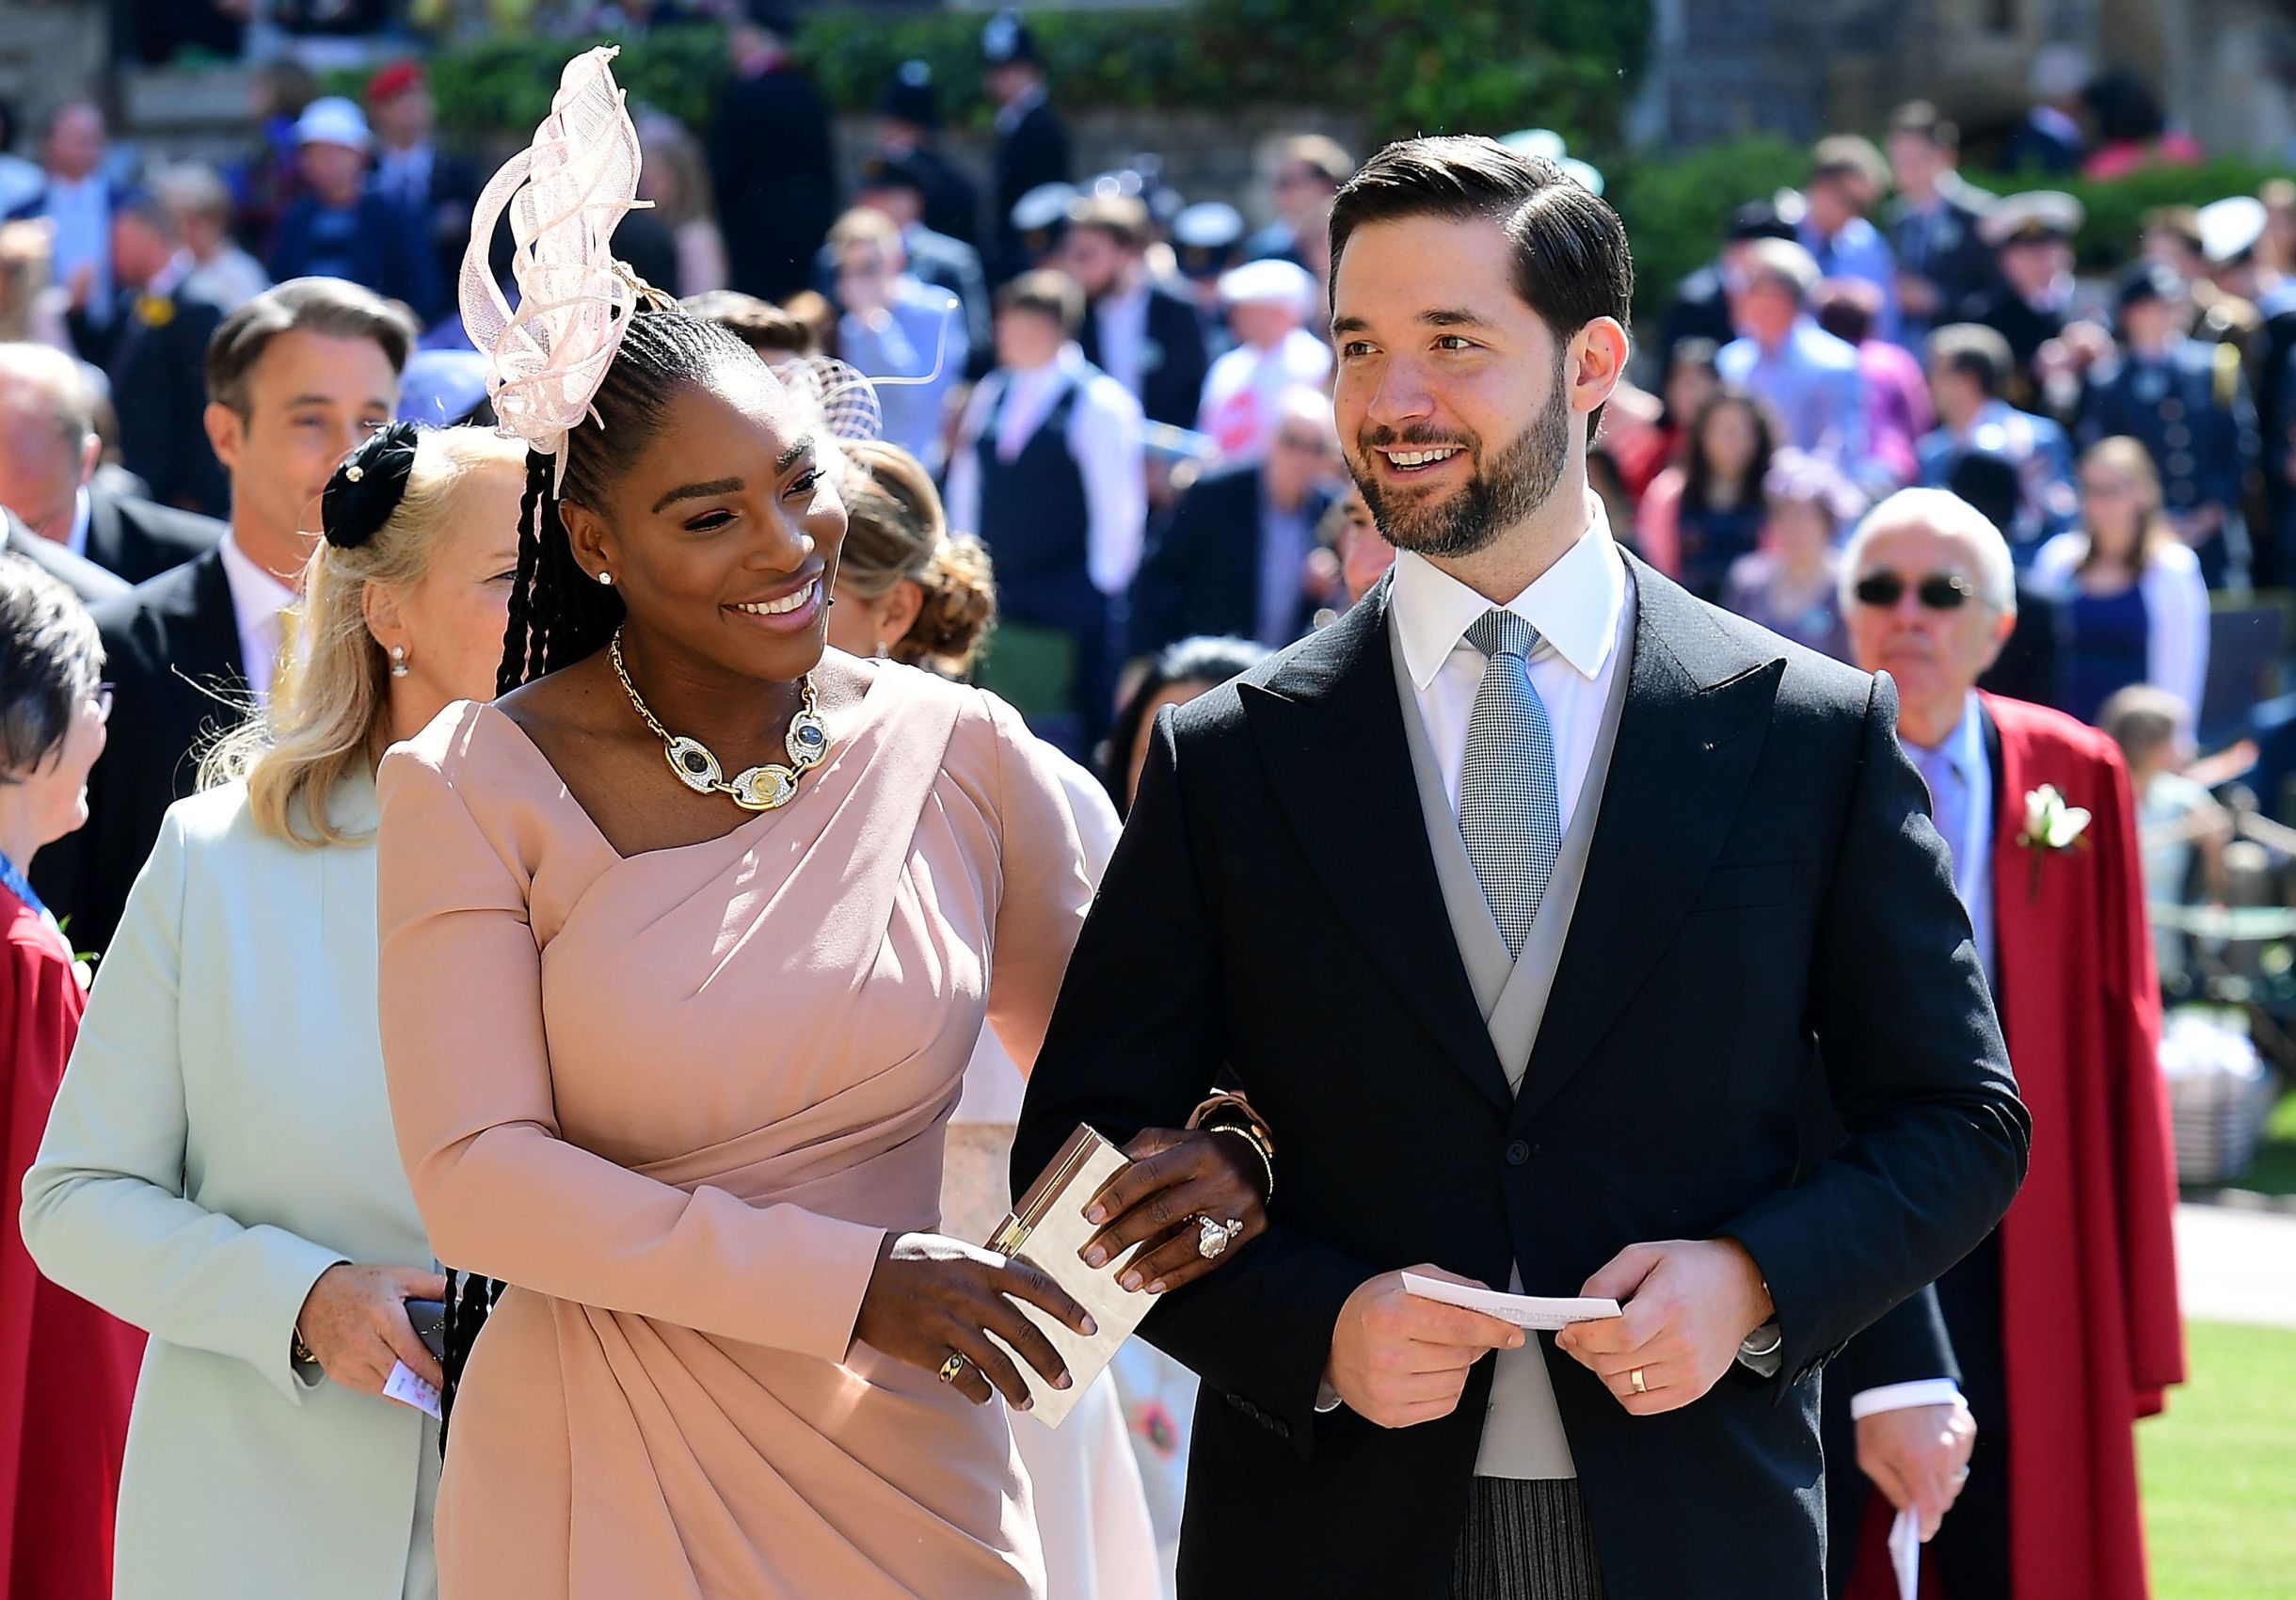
(2072, 302)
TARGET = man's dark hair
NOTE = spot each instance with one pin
(1976, 352)
(330, 306)
(1049, 293)
(1571, 262)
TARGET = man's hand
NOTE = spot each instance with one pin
(1919, 1457)
(1397, 1359)
(1689, 1304)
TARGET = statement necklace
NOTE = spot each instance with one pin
(759, 789)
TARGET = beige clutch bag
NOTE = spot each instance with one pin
(1046, 1229)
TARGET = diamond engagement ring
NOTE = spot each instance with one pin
(1213, 1237)
(950, 1368)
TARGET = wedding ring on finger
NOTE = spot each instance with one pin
(1636, 1379)
(1214, 1237)
(950, 1368)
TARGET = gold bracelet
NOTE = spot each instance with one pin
(1250, 1136)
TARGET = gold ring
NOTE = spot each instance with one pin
(1634, 1377)
(950, 1368)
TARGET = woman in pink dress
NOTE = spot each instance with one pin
(672, 1044)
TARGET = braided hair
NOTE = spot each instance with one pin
(559, 616)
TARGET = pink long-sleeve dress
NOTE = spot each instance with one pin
(676, 1099)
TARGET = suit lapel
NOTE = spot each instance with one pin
(1689, 736)
(1328, 726)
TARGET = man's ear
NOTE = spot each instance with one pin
(226, 432)
(1595, 363)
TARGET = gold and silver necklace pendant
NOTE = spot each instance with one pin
(757, 789)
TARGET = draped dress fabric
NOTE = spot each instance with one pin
(676, 1100)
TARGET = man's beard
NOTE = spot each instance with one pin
(1501, 494)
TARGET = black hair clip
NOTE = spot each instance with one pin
(368, 486)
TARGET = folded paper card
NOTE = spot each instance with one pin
(1049, 1231)
(1522, 1310)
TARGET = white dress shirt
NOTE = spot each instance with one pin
(82, 213)
(83, 512)
(1578, 606)
(257, 600)
(1121, 320)
(1104, 435)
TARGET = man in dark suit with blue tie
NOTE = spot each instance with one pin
(1522, 902)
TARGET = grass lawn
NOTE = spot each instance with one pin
(2219, 1470)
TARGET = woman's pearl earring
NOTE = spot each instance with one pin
(607, 579)
(884, 649)
(398, 660)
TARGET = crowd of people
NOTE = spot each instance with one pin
(1100, 452)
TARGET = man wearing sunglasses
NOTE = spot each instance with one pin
(2062, 1326)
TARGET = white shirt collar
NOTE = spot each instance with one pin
(83, 512)
(168, 278)
(1574, 604)
(256, 595)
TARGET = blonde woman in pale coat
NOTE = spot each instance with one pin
(219, 1167)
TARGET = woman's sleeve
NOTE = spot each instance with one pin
(1048, 888)
(105, 1210)
(2176, 641)
(500, 1191)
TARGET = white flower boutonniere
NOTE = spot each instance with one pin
(2051, 828)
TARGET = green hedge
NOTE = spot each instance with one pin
(1566, 64)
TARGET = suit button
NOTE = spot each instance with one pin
(1518, 1154)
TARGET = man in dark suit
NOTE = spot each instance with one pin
(1134, 329)
(1932, 225)
(435, 185)
(84, 578)
(771, 161)
(1031, 140)
(157, 390)
(48, 453)
(297, 376)
(1231, 558)
(1522, 901)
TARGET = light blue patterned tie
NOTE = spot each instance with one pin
(1509, 812)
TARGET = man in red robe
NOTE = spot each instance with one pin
(2061, 1330)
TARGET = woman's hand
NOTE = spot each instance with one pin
(355, 1322)
(932, 1297)
(1174, 1178)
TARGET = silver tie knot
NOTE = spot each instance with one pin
(1501, 632)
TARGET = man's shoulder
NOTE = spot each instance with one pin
(146, 610)
(1711, 640)
(186, 531)
(2047, 735)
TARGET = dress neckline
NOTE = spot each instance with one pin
(840, 749)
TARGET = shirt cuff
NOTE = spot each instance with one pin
(1904, 1397)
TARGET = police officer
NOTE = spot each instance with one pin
(2187, 403)
(1031, 141)
(909, 129)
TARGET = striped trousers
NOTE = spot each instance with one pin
(1526, 1539)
